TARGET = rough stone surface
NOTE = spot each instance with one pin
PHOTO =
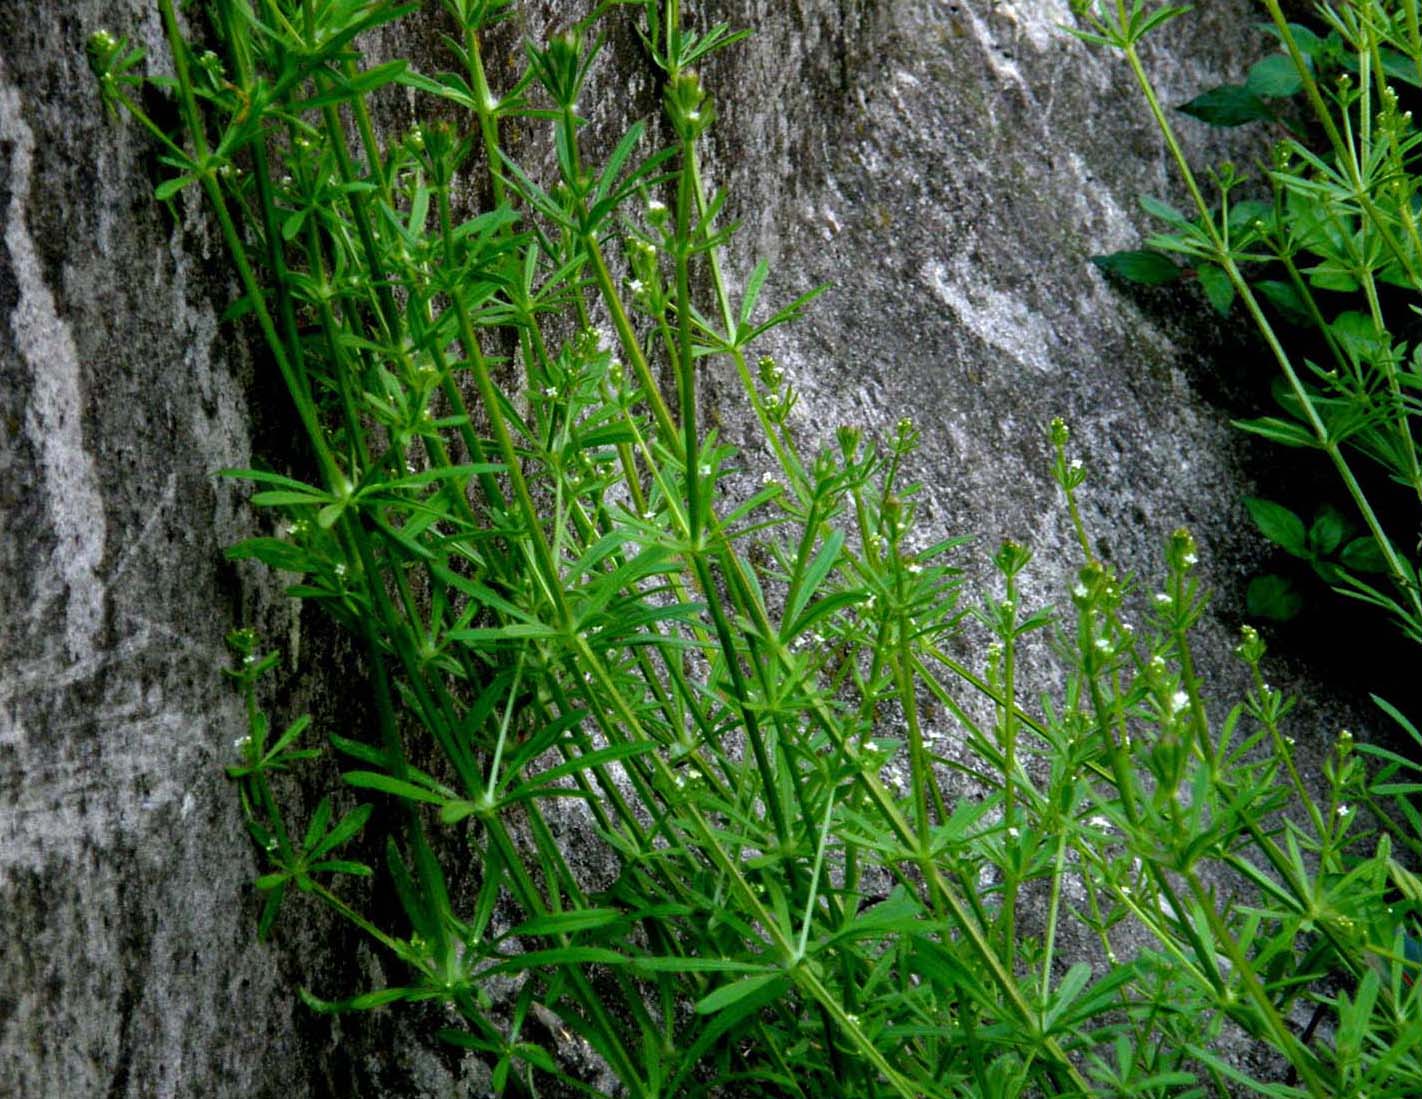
(948, 166)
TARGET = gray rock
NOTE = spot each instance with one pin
(948, 166)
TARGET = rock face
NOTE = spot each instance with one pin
(949, 166)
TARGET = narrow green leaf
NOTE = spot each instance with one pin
(347, 827)
(568, 923)
(563, 955)
(341, 866)
(1280, 431)
(366, 753)
(364, 1002)
(372, 780)
(283, 498)
(1066, 993)
(814, 575)
(729, 994)
(1164, 211)
(752, 292)
(695, 965)
(1393, 712)
(616, 753)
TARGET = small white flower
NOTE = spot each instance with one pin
(1189, 560)
(1344, 810)
(550, 391)
(1080, 590)
(1074, 465)
(704, 470)
(914, 568)
(637, 286)
(1102, 645)
(656, 206)
(241, 743)
(1162, 599)
(1178, 701)
(767, 478)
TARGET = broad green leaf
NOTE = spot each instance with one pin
(1285, 299)
(1145, 268)
(170, 187)
(1328, 531)
(1228, 105)
(292, 223)
(1327, 276)
(1274, 77)
(1280, 525)
(455, 811)
(1272, 597)
(1217, 286)
(1363, 555)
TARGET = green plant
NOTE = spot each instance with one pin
(749, 703)
(1330, 252)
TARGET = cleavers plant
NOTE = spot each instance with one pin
(566, 621)
(1327, 263)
